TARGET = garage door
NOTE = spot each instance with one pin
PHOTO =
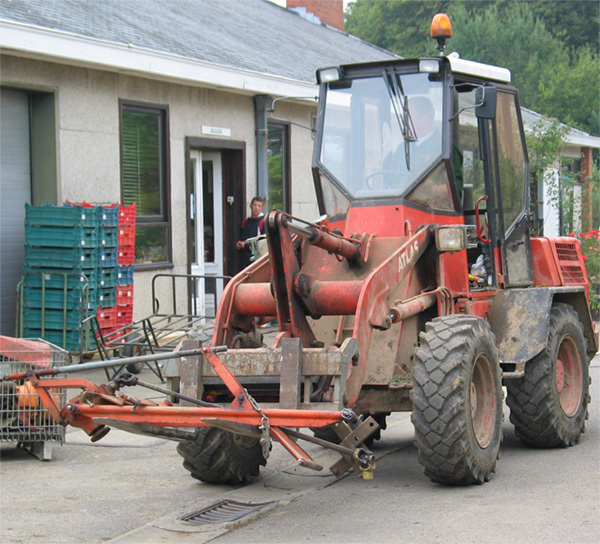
(15, 191)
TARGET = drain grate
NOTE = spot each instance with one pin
(224, 511)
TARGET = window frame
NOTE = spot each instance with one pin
(165, 218)
(286, 167)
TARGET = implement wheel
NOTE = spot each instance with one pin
(457, 400)
(216, 456)
(548, 406)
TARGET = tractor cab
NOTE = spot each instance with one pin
(435, 140)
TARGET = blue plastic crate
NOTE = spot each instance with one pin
(106, 297)
(48, 215)
(108, 237)
(125, 275)
(108, 216)
(107, 256)
(75, 259)
(61, 236)
(71, 299)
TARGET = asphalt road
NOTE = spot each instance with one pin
(132, 489)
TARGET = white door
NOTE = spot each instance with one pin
(207, 223)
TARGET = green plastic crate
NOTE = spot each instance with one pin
(75, 259)
(69, 340)
(53, 319)
(106, 297)
(58, 299)
(56, 279)
(107, 277)
(48, 215)
(61, 236)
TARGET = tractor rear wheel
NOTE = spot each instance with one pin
(216, 456)
(457, 400)
(548, 405)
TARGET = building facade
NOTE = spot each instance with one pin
(188, 111)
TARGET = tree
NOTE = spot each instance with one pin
(400, 26)
(535, 40)
(571, 91)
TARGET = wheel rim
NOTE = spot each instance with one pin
(569, 376)
(483, 401)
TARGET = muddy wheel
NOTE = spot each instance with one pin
(219, 457)
(457, 400)
(548, 406)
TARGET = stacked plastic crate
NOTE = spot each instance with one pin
(106, 296)
(58, 287)
(126, 257)
(75, 267)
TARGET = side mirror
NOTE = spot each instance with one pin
(486, 102)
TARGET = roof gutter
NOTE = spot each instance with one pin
(72, 49)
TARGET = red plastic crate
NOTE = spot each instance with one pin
(114, 338)
(126, 255)
(126, 215)
(125, 295)
(126, 235)
(107, 318)
(124, 315)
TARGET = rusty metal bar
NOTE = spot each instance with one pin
(327, 241)
(405, 309)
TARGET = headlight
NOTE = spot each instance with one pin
(452, 238)
(326, 75)
(429, 66)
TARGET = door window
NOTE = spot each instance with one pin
(511, 160)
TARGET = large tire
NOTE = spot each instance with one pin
(219, 457)
(457, 400)
(549, 404)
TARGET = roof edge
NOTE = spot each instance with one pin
(73, 49)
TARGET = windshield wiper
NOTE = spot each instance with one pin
(400, 103)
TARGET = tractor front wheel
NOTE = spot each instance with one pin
(216, 456)
(457, 400)
(548, 406)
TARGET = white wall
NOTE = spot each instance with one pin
(88, 139)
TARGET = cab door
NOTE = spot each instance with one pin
(509, 169)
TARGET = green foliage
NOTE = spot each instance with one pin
(590, 249)
(575, 22)
(571, 91)
(550, 47)
(399, 26)
(545, 140)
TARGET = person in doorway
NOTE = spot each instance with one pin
(251, 226)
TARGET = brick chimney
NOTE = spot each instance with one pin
(330, 12)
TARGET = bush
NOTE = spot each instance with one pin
(590, 248)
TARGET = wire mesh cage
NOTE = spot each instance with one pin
(23, 417)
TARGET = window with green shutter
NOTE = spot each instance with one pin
(144, 179)
(278, 160)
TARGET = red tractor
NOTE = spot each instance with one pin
(421, 289)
